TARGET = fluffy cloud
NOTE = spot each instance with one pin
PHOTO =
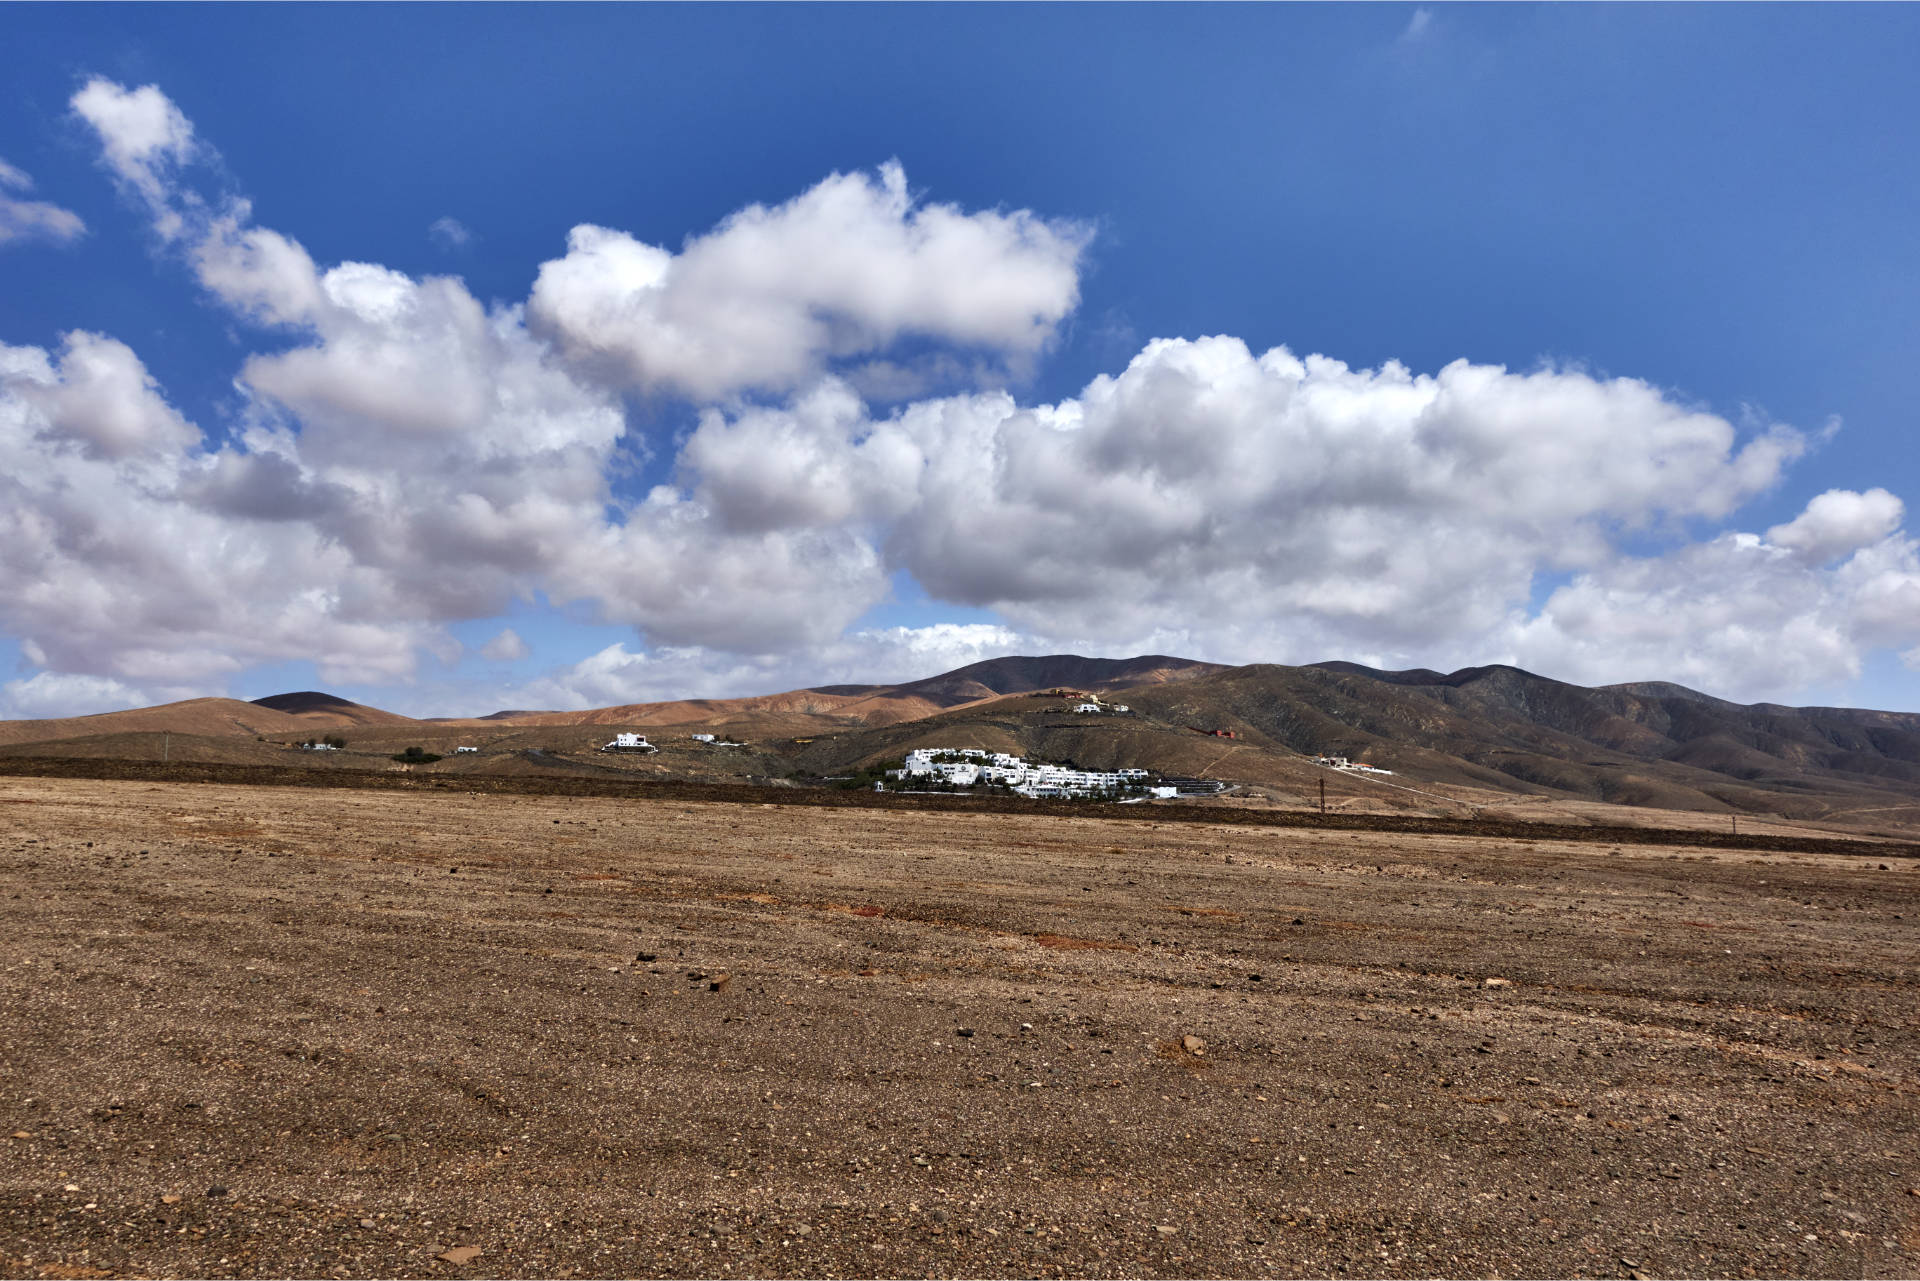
(23, 220)
(1263, 506)
(1741, 615)
(1839, 523)
(769, 297)
(108, 568)
(144, 138)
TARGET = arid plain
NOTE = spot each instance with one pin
(300, 1031)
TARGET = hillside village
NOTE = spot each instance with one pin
(971, 766)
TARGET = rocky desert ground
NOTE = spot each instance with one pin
(265, 1031)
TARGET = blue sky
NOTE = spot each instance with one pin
(1624, 302)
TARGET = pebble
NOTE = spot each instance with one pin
(802, 1229)
(1165, 1229)
(216, 1190)
(1497, 983)
(1193, 1045)
(459, 1254)
(965, 1031)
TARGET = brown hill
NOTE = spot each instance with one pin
(205, 716)
(839, 705)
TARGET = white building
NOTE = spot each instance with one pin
(629, 743)
(465, 751)
(702, 738)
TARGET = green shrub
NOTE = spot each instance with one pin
(416, 756)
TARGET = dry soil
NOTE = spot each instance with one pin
(290, 1031)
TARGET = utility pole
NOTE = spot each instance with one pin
(166, 745)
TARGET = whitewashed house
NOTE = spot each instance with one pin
(624, 742)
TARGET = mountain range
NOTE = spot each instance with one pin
(1478, 738)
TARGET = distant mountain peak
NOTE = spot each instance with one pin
(306, 700)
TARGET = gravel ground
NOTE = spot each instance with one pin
(290, 1032)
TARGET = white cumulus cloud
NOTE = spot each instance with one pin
(771, 296)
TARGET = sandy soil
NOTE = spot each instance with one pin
(290, 1031)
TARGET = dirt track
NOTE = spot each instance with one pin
(387, 1023)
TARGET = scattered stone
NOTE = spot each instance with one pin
(965, 1031)
(216, 1190)
(802, 1229)
(1193, 1045)
(1497, 983)
(719, 983)
(1026, 1027)
(1165, 1229)
(1298, 921)
(922, 1161)
(368, 1224)
(170, 1198)
(72, 1187)
(459, 1254)
(21, 1134)
(646, 956)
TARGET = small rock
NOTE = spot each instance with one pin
(216, 1190)
(964, 1031)
(646, 956)
(1298, 921)
(21, 1134)
(1026, 1027)
(719, 983)
(802, 1229)
(1165, 1229)
(368, 1224)
(459, 1254)
(1497, 983)
(72, 1187)
(1193, 1045)
(920, 1160)
(170, 1198)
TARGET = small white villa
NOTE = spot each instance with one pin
(629, 743)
